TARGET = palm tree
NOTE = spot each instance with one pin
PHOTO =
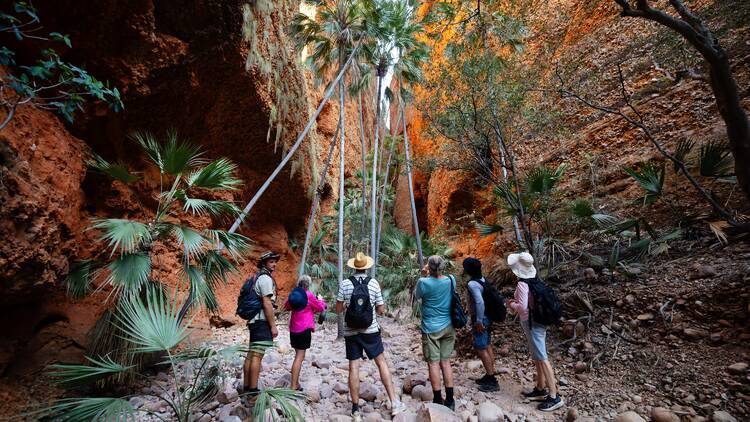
(125, 264)
(332, 35)
(412, 53)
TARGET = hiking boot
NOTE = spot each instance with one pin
(450, 404)
(489, 386)
(397, 407)
(549, 404)
(536, 394)
(357, 416)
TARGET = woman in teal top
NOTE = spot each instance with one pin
(438, 335)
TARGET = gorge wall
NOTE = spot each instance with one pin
(585, 41)
(180, 66)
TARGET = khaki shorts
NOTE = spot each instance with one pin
(438, 346)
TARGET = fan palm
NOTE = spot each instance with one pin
(331, 36)
(152, 321)
(189, 185)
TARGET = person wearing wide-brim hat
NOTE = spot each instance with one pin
(364, 340)
(522, 265)
(263, 326)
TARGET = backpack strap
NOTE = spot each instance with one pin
(355, 281)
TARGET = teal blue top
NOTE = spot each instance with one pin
(435, 294)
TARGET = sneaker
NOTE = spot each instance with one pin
(490, 386)
(357, 416)
(450, 405)
(484, 379)
(397, 407)
(536, 394)
(549, 404)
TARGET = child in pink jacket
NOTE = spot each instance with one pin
(301, 326)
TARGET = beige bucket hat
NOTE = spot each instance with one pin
(522, 264)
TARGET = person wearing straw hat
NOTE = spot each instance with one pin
(522, 265)
(364, 341)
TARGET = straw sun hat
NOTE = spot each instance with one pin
(360, 262)
(522, 265)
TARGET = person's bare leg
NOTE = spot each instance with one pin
(354, 380)
(299, 357)
(385, 376)
(549, 377)
(540, 379)
(487, 361)
(255, 366)
(447, 369)
(433, 369)
(246, 371)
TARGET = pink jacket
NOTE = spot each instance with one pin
(521, 302)
(304, 319)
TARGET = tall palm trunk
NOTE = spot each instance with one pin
(316, 203)
(363, 229)
(385, 187)
(411, 190)
(342, 156)
(293, 149)
(373, 200)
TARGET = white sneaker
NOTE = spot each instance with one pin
(397, 407)
(357, 416)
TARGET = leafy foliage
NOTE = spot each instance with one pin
(650, 177)
(50, 83)
(716, 160)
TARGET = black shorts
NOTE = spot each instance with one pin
(260, 331)
(371, 344)
(301, 341)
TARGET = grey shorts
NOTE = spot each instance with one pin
(536, 334)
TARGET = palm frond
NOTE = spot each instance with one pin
(488, 229)
(218, 174)
(542, 180)
(209, 352)
(179, 157)
(284, 398)
(150, 146)
(116, 171)
(206, 389)
(85, 409)
(604, 220)
(71, 376)
(582, 208)
(123, 235)
(214, 208)
(79, 279)
(201, 291)
(718, 228)
(215, 267)
(684, 147)
(716, 160)
(129, 272)
(191, 241)
(650, 177)
(153, 325)
(236, 244)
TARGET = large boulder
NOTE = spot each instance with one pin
(722, 416)
(489, 412)
(660, 414)
(412, 381)
(629, 416)
(431, 412)
(421, 393)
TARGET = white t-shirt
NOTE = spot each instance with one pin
(376, 298)
(264, 286)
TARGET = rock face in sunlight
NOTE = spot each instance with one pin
(586, 41)
(180, 66)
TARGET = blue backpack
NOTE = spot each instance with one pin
(298, 299)
(249, 304)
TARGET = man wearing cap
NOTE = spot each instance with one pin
(263, 326)
(481, 329)
(365, 341)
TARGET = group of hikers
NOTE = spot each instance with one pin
(360, 300)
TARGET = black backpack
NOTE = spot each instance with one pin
(547, 309)
(494, 303)
(359, 312)
(249, 304)
(458, 316)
